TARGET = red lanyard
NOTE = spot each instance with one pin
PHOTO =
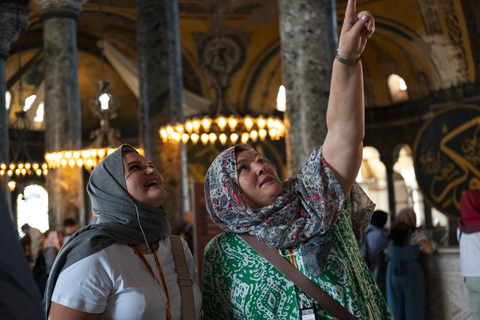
(162, 277)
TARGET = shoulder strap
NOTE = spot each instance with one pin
(297, 277)
(183, 278)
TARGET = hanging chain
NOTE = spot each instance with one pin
(19, 58)
(102, 56)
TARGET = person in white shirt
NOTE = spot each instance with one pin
(468, 233)
(122, 267)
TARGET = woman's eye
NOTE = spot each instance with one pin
(242, 168)
(135, 167)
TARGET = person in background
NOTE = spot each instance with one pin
(53, 244)
(468, 234)
(36, 240)
(405, 278)
(376, 245)
(70, 226)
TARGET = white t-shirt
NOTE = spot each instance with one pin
(469, 253)
(115, 283)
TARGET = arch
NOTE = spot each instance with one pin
(262, 82)
(32, 207)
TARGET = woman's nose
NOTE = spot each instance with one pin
(259, 168)
(150, 170)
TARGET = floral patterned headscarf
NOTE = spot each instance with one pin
(301, 215)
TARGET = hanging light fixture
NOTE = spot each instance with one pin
(22, 164)
(104, 106)
(221, 57)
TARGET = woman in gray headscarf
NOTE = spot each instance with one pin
(122, 267)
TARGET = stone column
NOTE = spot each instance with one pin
(308, 33)
(161, 97)
(13, 18)
(63, 114)
(388, 158)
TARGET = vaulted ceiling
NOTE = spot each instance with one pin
(431, 44)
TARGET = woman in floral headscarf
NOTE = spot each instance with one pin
(469, 239)
(314, 219)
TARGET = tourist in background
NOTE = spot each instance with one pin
(375, 249)
(405, 277)
(469, 239)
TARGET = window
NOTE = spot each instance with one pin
(8, 99)
(398, 88)
(32, 207)
(281, 99)
(29, 101)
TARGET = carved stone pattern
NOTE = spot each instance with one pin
(73, 5)
(430, 18)
(13, 19)
(246, 8)
(116, 3)
(343, 3)
(455, 34)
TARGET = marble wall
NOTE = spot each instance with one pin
(446, 292)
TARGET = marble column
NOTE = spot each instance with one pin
(161, 97)
(388, 158)
(13, 18)
(63, 114)
(308, 33)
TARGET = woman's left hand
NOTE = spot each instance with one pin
(356, 30)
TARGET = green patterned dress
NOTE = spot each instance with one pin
(238, 283)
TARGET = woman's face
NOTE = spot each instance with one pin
(144, 183)
(258, 179)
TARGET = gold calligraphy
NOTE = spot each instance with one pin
(454, 164)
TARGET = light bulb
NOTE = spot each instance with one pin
(262, 133)
(245, 137)
(206, 123)
(204, 138)
(261, 122)
(222, 122)
(212, 137)
(232, 123)
(248, 123)
(189, 126)
(254, 135)
(223, 138)
(195, 138)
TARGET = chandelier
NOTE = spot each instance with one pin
(104, 106)
(22, 164)
(221, 56)
(226, 130)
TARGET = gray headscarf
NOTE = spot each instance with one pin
(117, 220)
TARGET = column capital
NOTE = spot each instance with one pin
(13, 19)
(59, 8)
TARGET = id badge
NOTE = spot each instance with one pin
(308, 313)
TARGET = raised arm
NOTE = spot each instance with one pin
(343, 145)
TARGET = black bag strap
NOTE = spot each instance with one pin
(297, 277)
(183, 278)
